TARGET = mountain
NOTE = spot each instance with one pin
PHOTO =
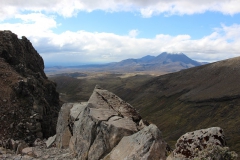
(192, 99)
(29, 103)
(163, 63)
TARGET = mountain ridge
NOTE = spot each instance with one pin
(164, 62)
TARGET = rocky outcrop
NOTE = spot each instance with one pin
(202, 144)
(145, 144)
(29, 103)
(91, 130)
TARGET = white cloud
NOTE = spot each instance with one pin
(36, 24)
(147, 8)
(133, 33)
(82, 46)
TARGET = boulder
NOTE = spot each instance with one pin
(202, 144)
(97, 126)
(147, 144)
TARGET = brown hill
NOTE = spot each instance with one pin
(192, 99)
(29, 103)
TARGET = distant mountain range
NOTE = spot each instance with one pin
(165, 62)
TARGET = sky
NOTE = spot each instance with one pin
(75, 32)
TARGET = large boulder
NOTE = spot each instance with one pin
(207, 143)
(29, 101)
(147, 144)
(97, 126)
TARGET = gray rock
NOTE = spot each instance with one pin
(28, 151)
(146, 144)
(68, 114)
(63, 133)
(50, 141)
(76, 110)
(96, 127)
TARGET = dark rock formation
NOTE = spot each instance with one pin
(29, 103)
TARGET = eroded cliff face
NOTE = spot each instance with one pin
(29, 103)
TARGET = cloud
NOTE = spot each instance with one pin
(36, 24)
(147, 8)
(82, 46)
(133, 33)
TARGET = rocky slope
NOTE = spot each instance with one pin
(29, 103)
(108, 128)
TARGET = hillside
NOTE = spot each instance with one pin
(72, 89)
(191, 99)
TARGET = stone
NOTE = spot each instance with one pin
(21, 146)
(92, 129)
(63, 133)
(38, 142)
(207, 143)
(28, 151)
(50, 141)
(77, 109)
(147, 144)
